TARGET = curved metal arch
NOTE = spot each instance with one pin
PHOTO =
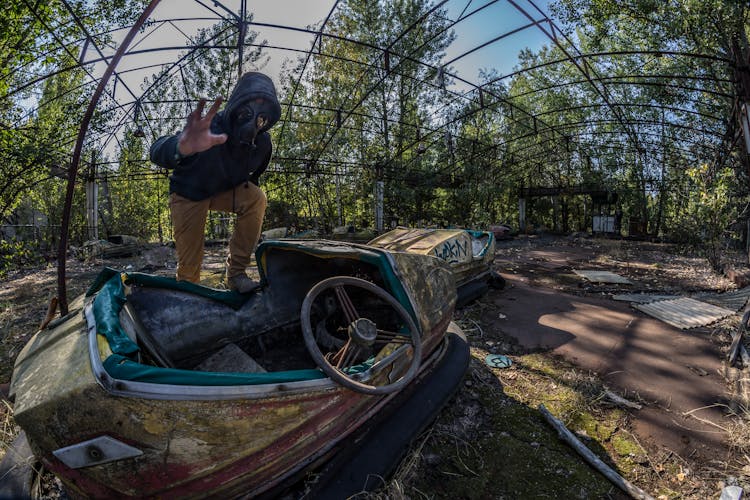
(73, 170)
(584, 69)
(578, 82)
(342, 39)
(374, 87)
(637, 105)
(408, 58)
(621, 146)
(191, 53)
(592, 55)
(499, 145)
(643, 122)
(318, 39)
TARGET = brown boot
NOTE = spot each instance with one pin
(241, 283)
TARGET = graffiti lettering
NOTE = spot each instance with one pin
(452, 251)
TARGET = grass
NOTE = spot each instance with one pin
(491, 442)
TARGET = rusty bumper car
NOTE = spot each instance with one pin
(469, 254)
(153, 387)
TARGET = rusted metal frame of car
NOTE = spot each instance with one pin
(75, 160)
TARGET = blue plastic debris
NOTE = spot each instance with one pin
(498, 361)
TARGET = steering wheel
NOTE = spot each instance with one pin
(393, 340)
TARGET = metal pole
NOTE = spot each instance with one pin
(241, 37)
(92, 201)
(62, 251)
(379, 197)
(742, 76)
(338, 196)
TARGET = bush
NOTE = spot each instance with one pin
(18, 255)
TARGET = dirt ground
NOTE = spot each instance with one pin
(572, 347)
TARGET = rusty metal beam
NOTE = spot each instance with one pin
(62, 250)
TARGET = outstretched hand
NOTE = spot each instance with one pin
(197, 135)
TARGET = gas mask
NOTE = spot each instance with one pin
(249, 120)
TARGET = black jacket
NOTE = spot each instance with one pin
(227, 165)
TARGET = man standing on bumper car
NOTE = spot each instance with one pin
(216, 161)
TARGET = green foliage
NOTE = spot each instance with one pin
(709, 210)
(134, 203)
(15, 255)
(381, 112)
(41, 120)
(443, 158)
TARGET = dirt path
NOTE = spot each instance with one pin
(673, 373)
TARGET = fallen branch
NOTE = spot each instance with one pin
(592, 459)
(620, 400)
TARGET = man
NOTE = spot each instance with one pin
(216, 161)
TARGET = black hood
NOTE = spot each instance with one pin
(251, 86)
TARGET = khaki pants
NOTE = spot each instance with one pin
(189, 221)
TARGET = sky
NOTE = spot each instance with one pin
(495, 19)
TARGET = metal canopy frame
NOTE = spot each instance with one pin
(532, 134)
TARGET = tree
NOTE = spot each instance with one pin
(44, 91)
